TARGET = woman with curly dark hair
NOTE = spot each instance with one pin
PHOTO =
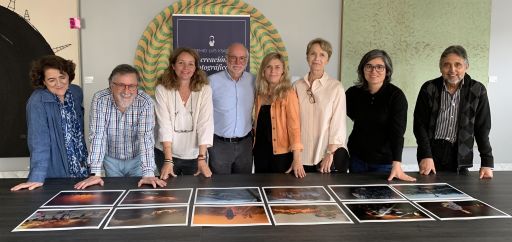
(55, 123)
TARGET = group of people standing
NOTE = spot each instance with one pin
(231, 121)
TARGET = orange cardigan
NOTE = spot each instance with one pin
(285, 119)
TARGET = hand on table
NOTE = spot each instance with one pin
(202, 168)
(167, 169)
(325, 164)
(427, 166)
(397, 172)
(153, 181)
(92, 180)
(486, 173)
(27, 185)
(297, 168)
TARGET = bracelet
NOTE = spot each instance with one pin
(201, 157)
(328, 152)
(169, 161)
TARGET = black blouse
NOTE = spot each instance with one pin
(380, 121)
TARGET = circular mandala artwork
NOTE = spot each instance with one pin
(155, 45)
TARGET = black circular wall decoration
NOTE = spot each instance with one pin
(20, 43)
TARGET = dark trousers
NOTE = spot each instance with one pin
(181, 166)
(339, 162)
(444, 154)
(359, 166)
(231, 157)
(270, 163)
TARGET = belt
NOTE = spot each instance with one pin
(232, 140)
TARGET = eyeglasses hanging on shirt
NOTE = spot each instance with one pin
(183, 118)
(310, 94)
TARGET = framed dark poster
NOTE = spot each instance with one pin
(210, 36)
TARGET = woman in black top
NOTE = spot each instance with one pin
(379, 111)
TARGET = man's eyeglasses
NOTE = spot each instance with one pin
(311, 96)
(184, 119)
(378, 68)
(232, 58)
(122, 86)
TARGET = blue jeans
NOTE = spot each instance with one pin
(119, 168)
(359, 166)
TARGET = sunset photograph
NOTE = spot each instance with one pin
(297, 194)
(229, 215)
(84, 198)
(302, 214)
(64, 219)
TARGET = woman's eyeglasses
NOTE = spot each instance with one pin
(378, 68)
(187, 119)
(311, 96)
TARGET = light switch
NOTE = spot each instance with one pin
(88, 79)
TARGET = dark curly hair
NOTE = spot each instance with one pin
(46, 62)
(169, 79)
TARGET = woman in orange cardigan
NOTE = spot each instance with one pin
(277, 128)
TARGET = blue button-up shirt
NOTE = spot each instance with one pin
(122, 136)
(232, 104)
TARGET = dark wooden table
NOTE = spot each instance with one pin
(16, 206)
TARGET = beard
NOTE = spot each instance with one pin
(453, 81)
(123, 100)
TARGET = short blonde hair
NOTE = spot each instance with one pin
(324, 44)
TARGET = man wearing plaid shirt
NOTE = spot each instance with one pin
(121, 131)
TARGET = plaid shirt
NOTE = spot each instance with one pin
(120, 135)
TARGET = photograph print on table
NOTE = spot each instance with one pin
(230, 215)
(308, 214)
(64, 219)
(152, 216)
(373, 192)
(297, 194)
(396, 211)
(84, 198)
(430, 191)
(461, 209)
(146, 197)
(228, 195)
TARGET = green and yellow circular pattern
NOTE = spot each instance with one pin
(155, 45)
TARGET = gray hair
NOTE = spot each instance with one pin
(123, 69)
(456, 50)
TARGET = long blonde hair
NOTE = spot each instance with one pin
(284, 85)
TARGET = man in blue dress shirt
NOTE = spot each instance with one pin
(233, 99)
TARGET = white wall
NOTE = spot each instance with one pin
(112, 29)
(500, 92)
(301, 22)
